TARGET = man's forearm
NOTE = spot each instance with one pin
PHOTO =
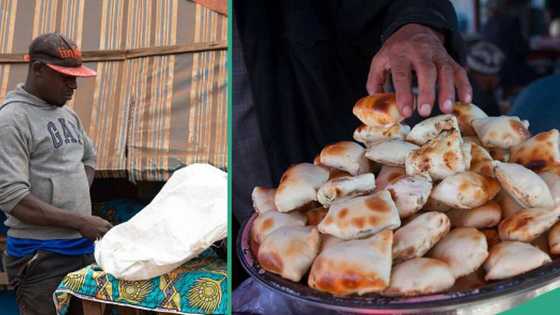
(32, 210)
(90, 172)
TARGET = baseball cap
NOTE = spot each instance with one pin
(60, 54)
(485, 58)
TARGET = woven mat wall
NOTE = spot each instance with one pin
(159, 99)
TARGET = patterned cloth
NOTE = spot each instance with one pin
(197, 287)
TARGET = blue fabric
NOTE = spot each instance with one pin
(8, 304)
(3, 227)
(120, 210)
(19, 247)
(539, 103)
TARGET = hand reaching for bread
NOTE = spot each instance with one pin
(418, 48)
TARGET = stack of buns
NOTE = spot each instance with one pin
(458, 201)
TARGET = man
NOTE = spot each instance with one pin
(47, 165)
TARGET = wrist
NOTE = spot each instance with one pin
(78, 222)
(413, 28)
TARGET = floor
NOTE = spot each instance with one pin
(8, 304)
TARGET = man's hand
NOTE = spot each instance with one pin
(93, 227)
(32, 210)
(419, 48)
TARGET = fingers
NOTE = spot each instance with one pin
(104, 231)
(427, 76)
(101, 221)
(448, 75)
(106, 227)
(464, 89)
(100, 232)
(376, 76)
(420, 49)
(102, 226)
(402, 80)
(446, 81)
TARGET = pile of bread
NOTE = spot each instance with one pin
(457, 201)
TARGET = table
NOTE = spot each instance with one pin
(197, 287)
(99, 308)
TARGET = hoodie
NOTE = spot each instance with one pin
(43, 151)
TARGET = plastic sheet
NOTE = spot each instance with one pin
(184, 219)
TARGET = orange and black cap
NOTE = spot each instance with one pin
(60, 54)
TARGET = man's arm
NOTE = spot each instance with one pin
(15, 190)
(14, 162)
(421, 36)
(32, 210)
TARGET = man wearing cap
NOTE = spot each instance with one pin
(47, 164)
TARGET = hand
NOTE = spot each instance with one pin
(94, 227)
(419, 48)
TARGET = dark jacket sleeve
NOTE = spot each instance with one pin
(437, 14)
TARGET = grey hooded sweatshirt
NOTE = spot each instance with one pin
(43, 151)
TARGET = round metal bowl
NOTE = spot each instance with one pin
(490, 299)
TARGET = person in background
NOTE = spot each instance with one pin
(508, 29)
(539, 103)
(484, 62)
(47, 165)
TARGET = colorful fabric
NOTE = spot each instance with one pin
(19, 247)
(197, 287)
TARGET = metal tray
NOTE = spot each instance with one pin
(490, 299)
